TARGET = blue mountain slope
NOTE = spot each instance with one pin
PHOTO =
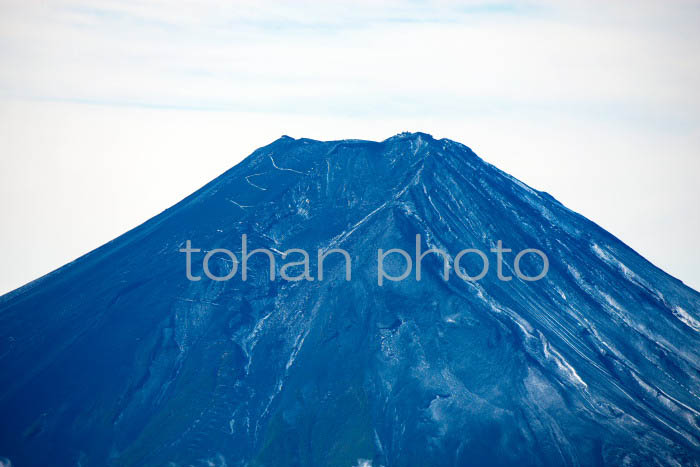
(118, 359)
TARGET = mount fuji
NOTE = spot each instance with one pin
(118, 359)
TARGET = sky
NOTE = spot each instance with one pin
(111, 111)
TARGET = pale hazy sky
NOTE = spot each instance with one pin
(111, 111)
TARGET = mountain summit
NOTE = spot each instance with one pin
(118, 359)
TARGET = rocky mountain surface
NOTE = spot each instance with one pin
(118, 359)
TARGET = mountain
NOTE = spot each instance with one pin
(118, 359)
